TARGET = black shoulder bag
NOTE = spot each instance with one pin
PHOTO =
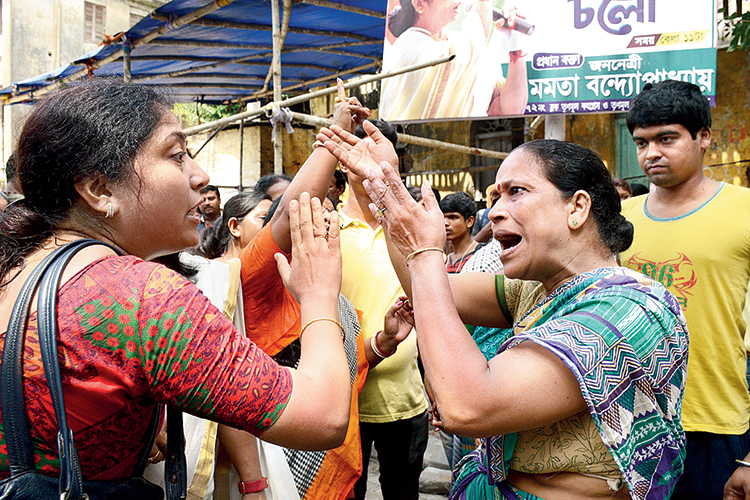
(25, 481)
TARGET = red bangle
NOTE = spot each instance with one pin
(253, 486)
(376, 347)
(515, 55)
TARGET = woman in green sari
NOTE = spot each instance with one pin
(583, 399)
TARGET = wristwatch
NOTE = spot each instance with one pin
(253, 486)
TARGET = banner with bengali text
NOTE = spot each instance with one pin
(580, 56)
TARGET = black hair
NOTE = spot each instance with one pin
(267, 181)
(570, 168)
(340, 178)
(461, 203)
(385, 128)
(623, 184)
(667, 102)
(416, 193)
(401, 18)
(210, 187)
(215, 240)
(93, 128)
(272, 210)
(638, 189)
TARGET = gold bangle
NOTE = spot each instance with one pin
(343, 333)
(417, 252)
(317, 144)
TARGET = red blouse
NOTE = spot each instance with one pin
(132, 334)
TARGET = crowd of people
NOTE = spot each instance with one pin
(573, 339)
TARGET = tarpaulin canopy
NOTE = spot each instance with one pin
(214, 51)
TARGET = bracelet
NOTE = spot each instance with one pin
(253, 486)
(743, 463)
(417, 252)
(343, 333)
(515, 55)
(317, 144)
(376, 349)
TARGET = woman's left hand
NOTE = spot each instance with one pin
(397, 324)
(159, 448)
(409, 226)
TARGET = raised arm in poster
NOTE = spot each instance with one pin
(472, 85)
(562, 56)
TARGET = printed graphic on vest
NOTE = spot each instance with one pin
(677, 275)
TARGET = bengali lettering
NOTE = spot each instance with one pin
(553, 86)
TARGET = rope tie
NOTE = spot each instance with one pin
(280, 115)
(170, 22)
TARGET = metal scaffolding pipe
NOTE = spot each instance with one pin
(345, 8)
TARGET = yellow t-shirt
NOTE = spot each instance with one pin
(703, 258)
(393, 389)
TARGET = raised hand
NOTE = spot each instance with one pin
(359, 154)
(409, 226)
(397, 324)
(315, 272)
(348, 112)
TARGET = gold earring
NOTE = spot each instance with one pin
(110, 211)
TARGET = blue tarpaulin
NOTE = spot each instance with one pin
(227, 53)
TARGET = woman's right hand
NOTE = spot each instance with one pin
(409, 226)
(315, 271)
(359, 154)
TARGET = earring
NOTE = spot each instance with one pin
(575, 223)
(110, 211)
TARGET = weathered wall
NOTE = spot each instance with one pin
(597, 132)
(221, 157)
(729, 156)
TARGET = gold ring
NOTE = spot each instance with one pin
(381, 211)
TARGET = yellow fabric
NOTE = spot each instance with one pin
(446, 90)
(205, 467)
(703, 258)
(234, 283)
(572, 445)
(393, 389)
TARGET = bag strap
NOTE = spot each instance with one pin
(71, 482)
(175, 477)
(15, 423)
(46, 276)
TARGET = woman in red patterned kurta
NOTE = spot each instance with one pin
(107, 160)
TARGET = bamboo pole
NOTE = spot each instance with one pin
(180, 21)
(311, 95)
(278, 159)
(322, 79)
(345, 8)
(216, 23)
(175, 74)
(415, 140)
(287, 7)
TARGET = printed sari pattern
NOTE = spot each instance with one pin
(625, 339)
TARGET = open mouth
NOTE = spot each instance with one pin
(508, 240)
